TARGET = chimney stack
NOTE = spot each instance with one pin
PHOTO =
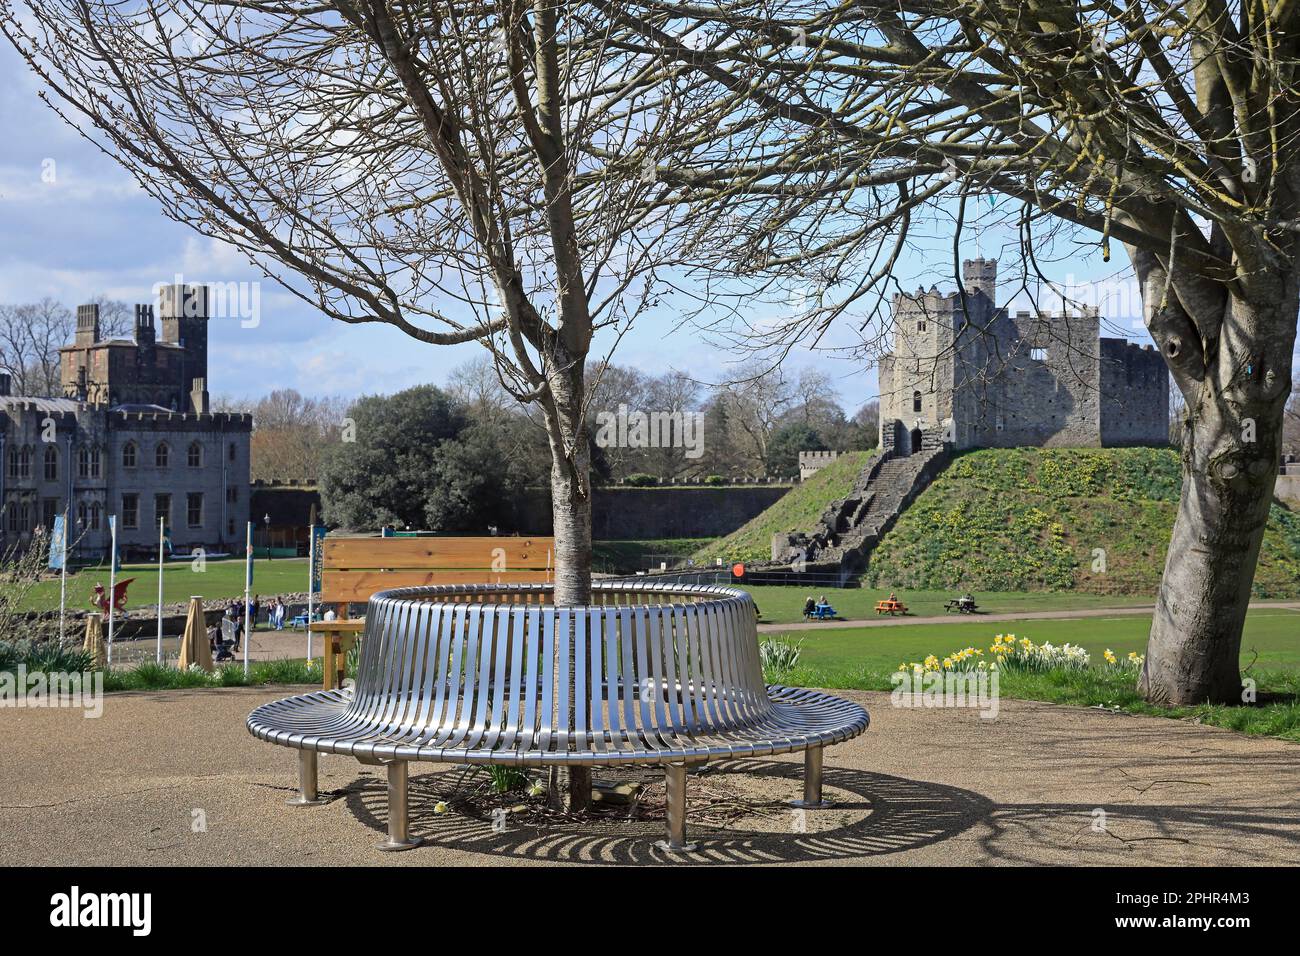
(144, 328)
(87, 325)
(199, 396)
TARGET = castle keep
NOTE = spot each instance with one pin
(131, 436)
(981, 377)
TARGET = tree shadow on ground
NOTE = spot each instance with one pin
(874, 815)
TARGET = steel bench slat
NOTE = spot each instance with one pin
(491, 674)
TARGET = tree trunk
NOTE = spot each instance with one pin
(570, 787)
(1231, 450)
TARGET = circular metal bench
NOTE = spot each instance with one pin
(496, 674)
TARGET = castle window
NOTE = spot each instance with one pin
(13, 465)
(128, 455)
(94, 515)
(162, 510)
(130, 511)
(49, 508)
(25, 462)
(194, 457)
(12, 516)
(234, 450)
(95, 465)
(920, 326)
(83, 514)
(51, 463)
(83, 462)
(194, 509)
(161, 455)
(1038, 355)
(916, 401)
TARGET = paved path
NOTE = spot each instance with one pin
(266, 646)
(173, 778)
(993, 618)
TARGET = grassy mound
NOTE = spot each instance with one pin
(797, 510)
(1027, 519)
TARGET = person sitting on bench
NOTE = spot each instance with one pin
(808, 607)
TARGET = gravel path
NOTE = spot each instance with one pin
(173, 778)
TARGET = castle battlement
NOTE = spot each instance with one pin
(991, 378)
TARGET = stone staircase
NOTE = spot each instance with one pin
(851, 527)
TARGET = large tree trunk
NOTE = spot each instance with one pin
(570, 787)
(1231, 449)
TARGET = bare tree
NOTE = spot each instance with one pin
(477, 384)
(1169, 130)
(116, 319)
(461, 172)
(30, 338)
(32, 334)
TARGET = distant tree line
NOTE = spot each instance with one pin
(755, 423)
(458, 458)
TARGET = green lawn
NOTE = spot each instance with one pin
(866, 658)
(857, 656)
(796, 510)
(784, 605)
(220, 580)
(1095, 519)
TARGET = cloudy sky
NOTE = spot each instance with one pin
(73, 225)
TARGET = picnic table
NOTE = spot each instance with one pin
(962, 605)
(891, 606)
(823, 612)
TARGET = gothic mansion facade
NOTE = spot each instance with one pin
(132, 435)
(985, 378)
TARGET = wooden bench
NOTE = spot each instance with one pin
(891, 607)
(355, 568)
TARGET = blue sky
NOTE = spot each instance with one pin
(91, 231)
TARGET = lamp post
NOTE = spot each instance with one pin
(266, 523)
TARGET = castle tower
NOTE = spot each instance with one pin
(184, 313)
(981, 275)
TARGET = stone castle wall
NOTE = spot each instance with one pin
(967, 374)
(1134, 394)
(621, 513)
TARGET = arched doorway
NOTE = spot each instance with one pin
(914, 441)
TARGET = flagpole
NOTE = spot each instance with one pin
(63, 580)
(248, 586)
(311, 580)
(112, 582)
(161, 525)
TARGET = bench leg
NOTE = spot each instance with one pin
(398, 837)
(675, 784)
(307, 795)
(812, 781)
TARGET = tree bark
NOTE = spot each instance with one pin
(1231, 450)
(570, 787)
